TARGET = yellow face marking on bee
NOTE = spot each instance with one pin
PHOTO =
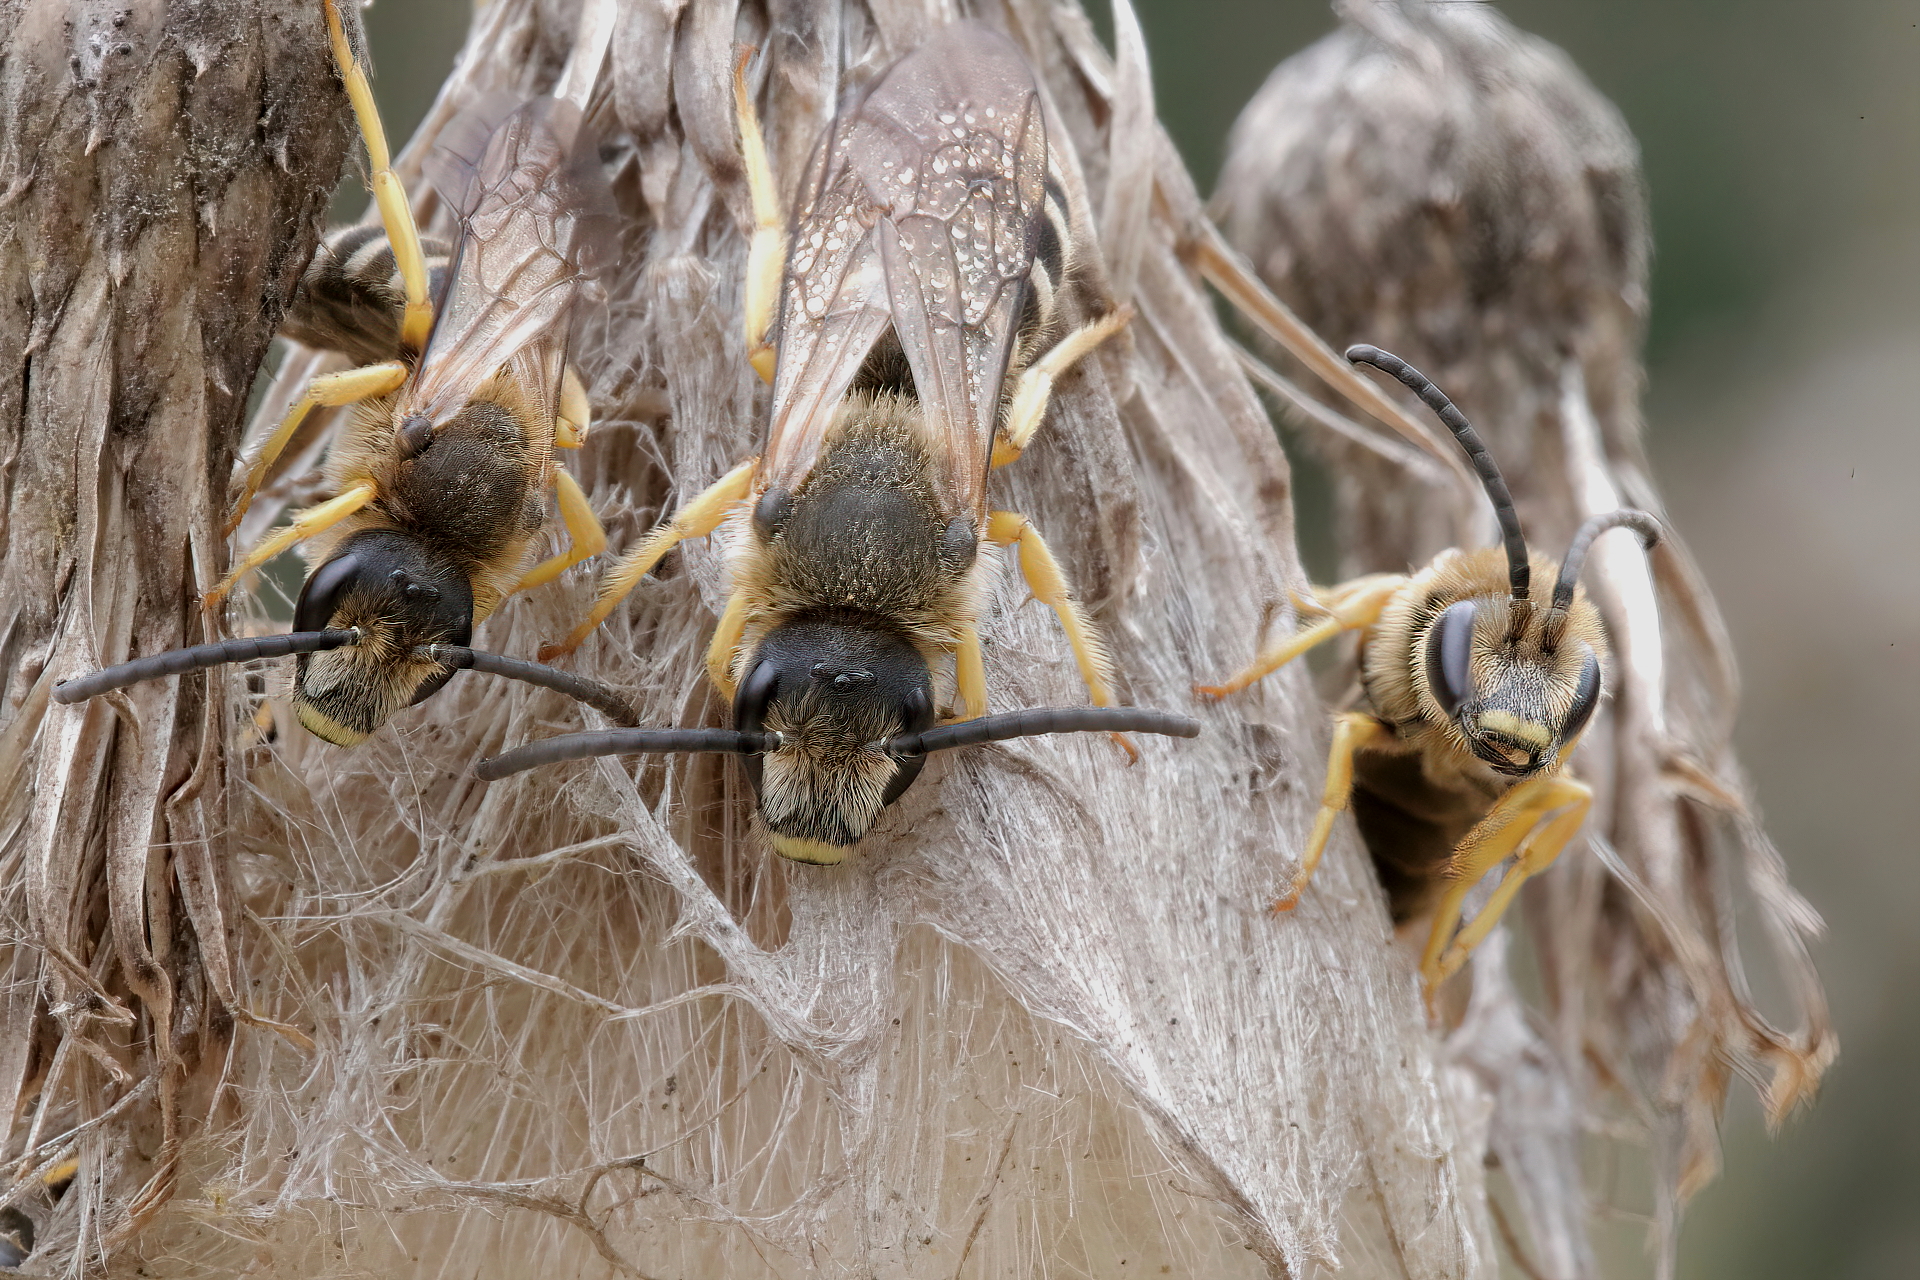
(1508, 725)
(326, 728)
(814, 852)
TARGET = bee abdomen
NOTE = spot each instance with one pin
(351, 297)
(1052, 240)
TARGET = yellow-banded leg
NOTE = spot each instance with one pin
(1035, 388)
(330, 390)
(1536, 818)
(1353, 731)
(586, 538)
(313, 520)
(1049, 586)
(697, 519)
(1350, 606)
(767, 251)
(396, 215)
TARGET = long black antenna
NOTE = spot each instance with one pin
(596, 695)
(178, 661)
(1034, 721)
(1518, 575)
(1639, 521)
(621, 742)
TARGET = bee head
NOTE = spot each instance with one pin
(402, 597)
(836, 693)
(1517, 684)
(1514, 700)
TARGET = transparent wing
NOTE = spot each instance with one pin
(533, 229)
(924, 212)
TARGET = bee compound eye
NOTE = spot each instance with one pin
(916, 711)
(1450, 657)
(1586, 696)
(320, 597)
(905, 770)
(755, 696)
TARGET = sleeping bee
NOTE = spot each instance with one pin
(921, 285)
(1474, 698)
(440, 479)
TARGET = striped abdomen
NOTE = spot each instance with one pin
(350, 297)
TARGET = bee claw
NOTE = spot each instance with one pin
(1126, 744)
(1210, 692)
(1285, 902)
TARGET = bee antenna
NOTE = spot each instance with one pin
(1035, 721)
(622, 742)
(596, 695)
(1639, 521)
(1518, 576)
(177, 661)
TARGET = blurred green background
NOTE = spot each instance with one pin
(1780, 142)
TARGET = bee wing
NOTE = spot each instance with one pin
(533, 216)
(833, 309)
(926, 213)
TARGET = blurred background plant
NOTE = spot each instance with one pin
(1778, 142)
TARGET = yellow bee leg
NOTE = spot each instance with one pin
(1049, 586)
(1353, 731)
(331, 389)
(1354, 607)
(767, 252)
(970, 675)
(308, 523)
(1572, 800)
(1035, 388)
(1491, 842)
(726, 639)
(586, 538)
(570, 424)
(697, 519)
(396, 215)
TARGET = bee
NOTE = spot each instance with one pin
(1474, 697)
(440, 479)
(921, 327)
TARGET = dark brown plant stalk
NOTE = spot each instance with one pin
(163, 170)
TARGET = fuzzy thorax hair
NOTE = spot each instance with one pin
(870, 532)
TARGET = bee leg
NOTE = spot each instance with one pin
(305, 525)
(575, 415)
(586, 539)
(697, 519)
(396, 215)
(767, 252)
(1049, 586)
(1353, 731)
(726, 639)
(332, 390)
(1568, 801)
(1490, 843)
(1035, 388)
(1349, 607)
(970, 675)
